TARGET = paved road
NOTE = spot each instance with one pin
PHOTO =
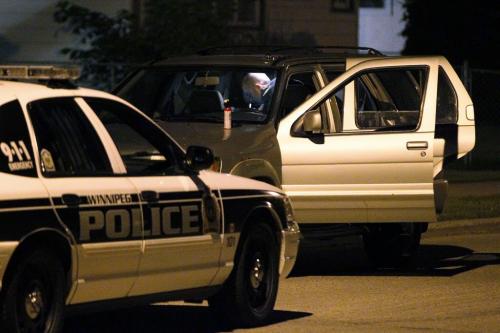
(455, 287)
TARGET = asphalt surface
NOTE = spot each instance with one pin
(454, 286)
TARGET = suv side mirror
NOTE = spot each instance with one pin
(198, 158)
(312, 122)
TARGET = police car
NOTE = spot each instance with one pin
(99, 206)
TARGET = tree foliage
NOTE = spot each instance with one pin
(107, 46)
(167, 27)
(460, 30)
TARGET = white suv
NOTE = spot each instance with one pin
(358, 142)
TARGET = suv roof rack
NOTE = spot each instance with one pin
(268, 50)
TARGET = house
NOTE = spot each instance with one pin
(28, 32)
(302, 22)
(380, 25)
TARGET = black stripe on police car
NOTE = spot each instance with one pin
(122, 223)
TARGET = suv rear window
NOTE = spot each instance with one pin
(200, 94)
(447, 102)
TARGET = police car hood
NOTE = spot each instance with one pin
(224, 181)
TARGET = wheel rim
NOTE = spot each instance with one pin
(34, 304)
(259, 276)
(257, 273)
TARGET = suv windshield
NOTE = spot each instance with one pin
(201, 94)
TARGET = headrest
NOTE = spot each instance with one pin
(205, 101)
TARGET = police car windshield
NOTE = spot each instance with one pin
(201, 94)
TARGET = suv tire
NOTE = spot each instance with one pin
(392, 245)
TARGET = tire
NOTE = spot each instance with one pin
(34, 298)
(247, 299)
(392, 245)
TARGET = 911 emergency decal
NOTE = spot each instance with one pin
(18, 156)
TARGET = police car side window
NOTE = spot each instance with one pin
(15, 144)
(145, 150)
(67, 142)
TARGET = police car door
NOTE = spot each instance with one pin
(178, 254)
(100, 208)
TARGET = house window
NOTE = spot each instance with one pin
(247, 13)
(371, 3)
(342, 5)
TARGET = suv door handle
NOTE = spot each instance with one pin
(70, 200)
(417, 145)
(149, 196)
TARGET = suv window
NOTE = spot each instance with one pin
(200, 94)
(144, 148)
(15, 142)
(389, 99)
(447, 102)
(67, 142)
(299, 88)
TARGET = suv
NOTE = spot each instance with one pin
(98, 205)
(357, 140)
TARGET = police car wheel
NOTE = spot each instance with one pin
(249, 298)
(34, 298)
(392, 245)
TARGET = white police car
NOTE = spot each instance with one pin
(98, 205)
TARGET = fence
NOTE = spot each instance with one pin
(484, 87)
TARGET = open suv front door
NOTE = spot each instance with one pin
(398, 121)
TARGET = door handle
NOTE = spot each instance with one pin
(417, 145)
(70, 199)
(149, 196)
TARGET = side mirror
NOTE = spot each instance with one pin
(312, 122)
(198, 158)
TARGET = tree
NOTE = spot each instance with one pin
(169, 27)
(460, 30)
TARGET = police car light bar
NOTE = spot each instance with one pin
(30, 72)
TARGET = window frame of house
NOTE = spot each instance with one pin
(374, 4)
(256, 23)
(345, 6)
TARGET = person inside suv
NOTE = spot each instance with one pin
(257, 88)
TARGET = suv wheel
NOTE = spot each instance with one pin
(34, 298)
(391, 245)
(248, 297)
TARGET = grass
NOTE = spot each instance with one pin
(486, 152)
(466, 176)
(468, 207)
